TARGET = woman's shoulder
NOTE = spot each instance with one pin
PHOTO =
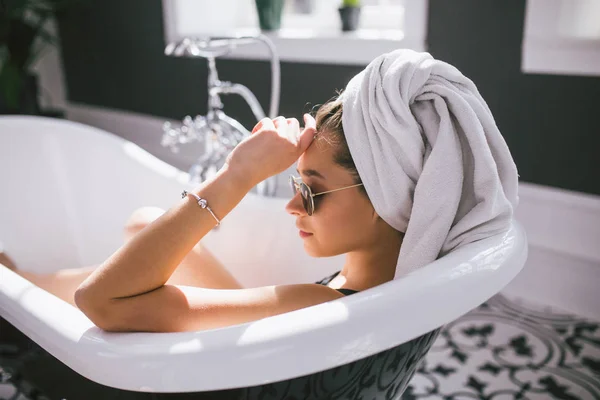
(325, 281)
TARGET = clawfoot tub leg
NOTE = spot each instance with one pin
(199, 267)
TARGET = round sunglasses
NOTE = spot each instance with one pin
(307, 195)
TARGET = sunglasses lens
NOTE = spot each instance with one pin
(306, 198)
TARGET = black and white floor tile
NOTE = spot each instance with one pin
(512, 350)
(505, 349)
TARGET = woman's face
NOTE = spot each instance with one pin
(343, 221)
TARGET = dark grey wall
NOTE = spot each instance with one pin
(113, 57)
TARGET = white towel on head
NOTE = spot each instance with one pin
(429, 153)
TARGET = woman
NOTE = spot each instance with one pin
(407, 166)
(163, 280)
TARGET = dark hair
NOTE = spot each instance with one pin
(330, 129)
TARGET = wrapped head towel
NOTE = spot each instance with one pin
(430, 155)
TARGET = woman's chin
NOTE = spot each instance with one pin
(315, 252)
(310, 249)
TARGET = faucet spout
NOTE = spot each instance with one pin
(237, 88)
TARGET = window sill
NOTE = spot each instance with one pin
(335, 47)
(561, 56)
(561, 37)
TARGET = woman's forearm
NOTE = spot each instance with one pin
(147, 261)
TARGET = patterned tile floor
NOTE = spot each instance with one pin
(504, 349)
(512, 350)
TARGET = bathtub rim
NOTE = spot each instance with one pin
(185, 362)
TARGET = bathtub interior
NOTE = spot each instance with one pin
(67, 190)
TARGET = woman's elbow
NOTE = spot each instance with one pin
(83, 299)
(97, 311)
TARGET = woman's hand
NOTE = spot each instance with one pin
(272, 148)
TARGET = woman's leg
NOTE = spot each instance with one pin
(199, 267)
(61, 283)
(7, 261)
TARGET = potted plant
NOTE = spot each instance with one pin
(22, 40)
(350, 14)
(269, 14)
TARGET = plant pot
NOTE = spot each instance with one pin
(269, 14)
(350, 17)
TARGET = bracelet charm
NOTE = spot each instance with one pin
(202, 203)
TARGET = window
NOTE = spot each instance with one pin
(310, 29)
(562, 37)
(321, 16)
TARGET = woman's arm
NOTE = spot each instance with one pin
(148, 260)
(131, 283)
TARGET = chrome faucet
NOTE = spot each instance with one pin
(217, 133)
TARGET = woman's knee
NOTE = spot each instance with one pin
(141, 218)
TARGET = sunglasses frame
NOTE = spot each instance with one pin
(297, 183)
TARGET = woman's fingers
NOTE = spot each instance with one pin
(293, 129)
(256, 127)
(268, 124)
(266, 154)
(278, 121)
(280, 126)
(290, 129)
(293, 122)
(308, 134)
(265, 123)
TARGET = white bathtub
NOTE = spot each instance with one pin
(67, 190)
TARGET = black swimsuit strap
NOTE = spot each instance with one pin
(328, 279)
(347, 292)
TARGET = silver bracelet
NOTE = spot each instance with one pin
(202, 203)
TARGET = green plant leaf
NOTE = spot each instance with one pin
(351, 3)
(20, 41)
(10, 84)
(14, 8)
(22, 32)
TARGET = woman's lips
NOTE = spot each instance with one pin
(304, 234)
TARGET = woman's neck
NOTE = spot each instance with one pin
(373, 266)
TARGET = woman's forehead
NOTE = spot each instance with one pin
(320, 157)
(317, 156)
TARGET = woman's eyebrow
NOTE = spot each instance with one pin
(311, 172)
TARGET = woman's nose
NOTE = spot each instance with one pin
(294, 206)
